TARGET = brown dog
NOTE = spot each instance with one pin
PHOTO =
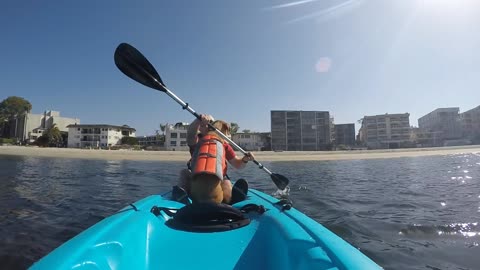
(208, 186)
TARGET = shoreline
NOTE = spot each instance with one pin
(260, 156)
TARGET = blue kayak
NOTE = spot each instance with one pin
(157, 232)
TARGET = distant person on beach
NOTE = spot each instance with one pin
(206, 183)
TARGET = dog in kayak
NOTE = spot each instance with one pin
(208, 181)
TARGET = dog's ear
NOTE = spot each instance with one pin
(225, 128)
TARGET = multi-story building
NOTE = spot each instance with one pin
(444, 120)
(425, 138)
(385, 131)
(252, 141)
(345, 134)
(151, 140)
(28, 127)
(470, 121)
(97, 136)
(300, 130)
(176, 137)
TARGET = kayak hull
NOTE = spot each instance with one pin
(135, 238)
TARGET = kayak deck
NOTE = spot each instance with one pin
(134, 238)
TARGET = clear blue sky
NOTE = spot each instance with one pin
(237, 60)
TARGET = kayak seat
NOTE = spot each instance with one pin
(207, 217)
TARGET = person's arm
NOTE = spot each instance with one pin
(238, 162)
(192, 132)
(196, 127)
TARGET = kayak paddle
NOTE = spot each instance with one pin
(133, 64)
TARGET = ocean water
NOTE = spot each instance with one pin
(404, 213)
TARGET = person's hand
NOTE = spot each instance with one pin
(204, 120)
(248, 157)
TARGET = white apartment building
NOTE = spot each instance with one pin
(385, 131)
(248, 141)
(28, 127)
(176, 137)
(97, 136)
(252, 141)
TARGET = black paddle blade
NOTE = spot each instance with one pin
(280, 181)
(133, 64)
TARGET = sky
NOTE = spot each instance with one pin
(238, 60)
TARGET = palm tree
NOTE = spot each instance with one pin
(162, 128)
(234, 128)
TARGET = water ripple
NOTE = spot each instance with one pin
(404, 213)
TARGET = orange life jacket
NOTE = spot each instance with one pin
(209, 157)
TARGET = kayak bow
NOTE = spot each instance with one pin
(156, 232)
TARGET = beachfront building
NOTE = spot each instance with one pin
(152, 142)
(301, 130)
(385, 131)
(29, 127)
(253, 141)
(345, 134)
(176, 137)
(425, 138)
(97, 136)
(470, 121)
(445, 121)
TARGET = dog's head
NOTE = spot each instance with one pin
(223, 126)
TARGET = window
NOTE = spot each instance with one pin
(183, 143)
(173, 135)
(173, 143)
(183, 135)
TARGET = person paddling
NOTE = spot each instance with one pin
(203, 180)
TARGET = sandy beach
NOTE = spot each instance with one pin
(260, 156)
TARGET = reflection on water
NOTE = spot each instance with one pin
(467, 230)
(405, 213)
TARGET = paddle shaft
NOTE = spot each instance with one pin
(187, 107)
(133, 64)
